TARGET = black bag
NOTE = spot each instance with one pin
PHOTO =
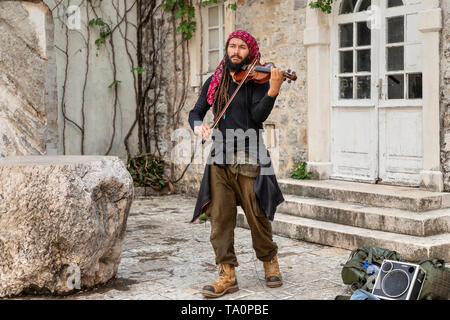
(356, 271)
(436, 285)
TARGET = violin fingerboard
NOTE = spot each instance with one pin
(262, 69)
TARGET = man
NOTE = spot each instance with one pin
(228, 182)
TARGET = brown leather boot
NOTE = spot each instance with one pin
(225, 283)
(273, 275)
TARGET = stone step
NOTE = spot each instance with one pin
(412, 248)
(374, 218)
(376, 195)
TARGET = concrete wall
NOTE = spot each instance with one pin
(90, 95)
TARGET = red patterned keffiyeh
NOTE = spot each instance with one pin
(253, 51)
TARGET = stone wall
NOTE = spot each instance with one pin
(445, 94)
(278, 27)
(167, 61)
(280, 38)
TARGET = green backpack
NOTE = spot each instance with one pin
(437, 280)
(360, 270)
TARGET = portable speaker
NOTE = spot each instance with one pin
(398, 280)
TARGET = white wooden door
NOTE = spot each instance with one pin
(400, 106)
(354, 113)
(376, 133)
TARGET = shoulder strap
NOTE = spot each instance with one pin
(434, 261)
(370, 256)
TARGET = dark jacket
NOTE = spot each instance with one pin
(248, 110)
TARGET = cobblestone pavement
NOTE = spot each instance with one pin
(165, 257)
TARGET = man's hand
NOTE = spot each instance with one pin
(203, 131)
(276, 80)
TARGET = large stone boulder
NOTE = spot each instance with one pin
(62, 222)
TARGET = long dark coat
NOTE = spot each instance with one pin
(267, 192)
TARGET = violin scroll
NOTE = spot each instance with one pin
(292, 76)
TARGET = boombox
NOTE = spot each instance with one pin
(398, 280)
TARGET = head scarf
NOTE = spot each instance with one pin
(253, 53)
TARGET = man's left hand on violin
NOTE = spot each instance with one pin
(276, 80)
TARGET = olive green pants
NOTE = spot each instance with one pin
(226, 188)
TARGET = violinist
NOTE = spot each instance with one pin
(239, 170)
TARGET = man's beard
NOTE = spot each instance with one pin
(233, 67)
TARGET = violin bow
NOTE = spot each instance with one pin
(232, 97)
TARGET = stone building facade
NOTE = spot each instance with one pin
(281, 42)
(444, 81)
(389, 126)
(370, 103)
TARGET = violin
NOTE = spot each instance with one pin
(261, 73)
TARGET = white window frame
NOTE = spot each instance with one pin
(207, 29)
(335, 63)
(385, 14)
(378, 59)
(199, 45)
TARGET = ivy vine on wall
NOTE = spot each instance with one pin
(159, 24)
(324, 5)
(184, 11)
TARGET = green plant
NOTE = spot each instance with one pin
(185, 12)
(324, 5)
(139, 70)
(148, 171)
(115, 83)
(105, 31)
(300, 172)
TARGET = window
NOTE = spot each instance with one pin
(354, 60)
(402, 53)
(206, 47)
(215, 36)
(367, 60)
(394, 3)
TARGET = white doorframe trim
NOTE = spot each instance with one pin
(316, 39)
(430, 24)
